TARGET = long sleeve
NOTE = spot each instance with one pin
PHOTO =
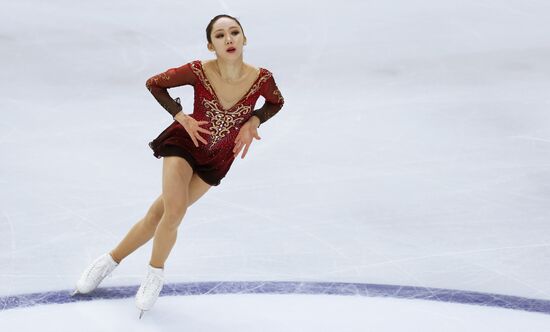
(273, 101)
(172, 77)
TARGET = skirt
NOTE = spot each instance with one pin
(211, 165)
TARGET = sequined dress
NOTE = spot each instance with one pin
(213, 160)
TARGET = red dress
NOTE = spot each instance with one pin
(210, 161)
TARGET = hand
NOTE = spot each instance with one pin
(192, 127)
(247, 132)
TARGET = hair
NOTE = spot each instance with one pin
(211, 25)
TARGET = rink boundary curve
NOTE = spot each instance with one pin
(287, 287)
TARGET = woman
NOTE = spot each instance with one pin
(198, 149)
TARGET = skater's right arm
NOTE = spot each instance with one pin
(158, 85)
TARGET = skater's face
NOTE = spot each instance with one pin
(227, 35)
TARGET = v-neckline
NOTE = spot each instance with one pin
(216, 96)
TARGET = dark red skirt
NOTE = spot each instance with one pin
(211, 163)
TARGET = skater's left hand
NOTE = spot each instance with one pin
(247, 132)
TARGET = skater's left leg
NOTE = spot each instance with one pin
(177, 174)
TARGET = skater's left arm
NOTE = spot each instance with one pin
(273, 103)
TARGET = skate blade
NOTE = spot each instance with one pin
(141, 313)
(75, 292)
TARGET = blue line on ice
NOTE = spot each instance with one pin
(287, 287)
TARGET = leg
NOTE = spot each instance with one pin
(145, 229)
(176, 176)
(140, 233)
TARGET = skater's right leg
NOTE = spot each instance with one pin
(145, 229)
(140, 233)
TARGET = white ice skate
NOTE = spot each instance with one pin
(95, 273)
(150, 288)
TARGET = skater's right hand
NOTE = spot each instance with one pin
(192, 127)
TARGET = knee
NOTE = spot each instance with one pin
(152, 219)
(154, 214)
(172, 217)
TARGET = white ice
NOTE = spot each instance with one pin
(413, 149)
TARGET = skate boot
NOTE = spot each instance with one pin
(95, 273)
(150, 288)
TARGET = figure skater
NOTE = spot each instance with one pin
(225, 92)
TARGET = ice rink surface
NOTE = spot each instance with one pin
(405, 184)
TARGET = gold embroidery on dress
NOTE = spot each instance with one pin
(156, 78)
(257, 85)
(198, 71)
(222, 121)
(280, 98)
